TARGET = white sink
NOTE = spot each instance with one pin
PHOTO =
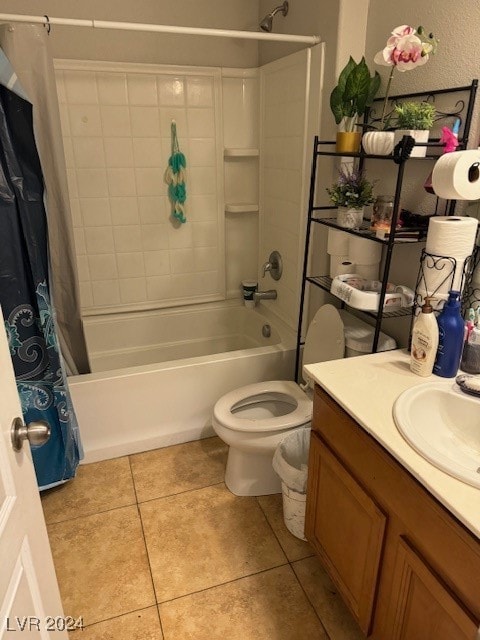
(443, 425)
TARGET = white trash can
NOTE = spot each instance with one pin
(290, 462)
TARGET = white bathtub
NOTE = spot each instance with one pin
(158, 374)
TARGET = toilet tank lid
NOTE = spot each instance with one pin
(325, 339)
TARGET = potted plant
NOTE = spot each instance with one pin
(406, 48)
(350, 194)
(414, 119)
(354, 92)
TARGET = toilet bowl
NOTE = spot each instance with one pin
(254, 419)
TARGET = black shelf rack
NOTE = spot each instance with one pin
(462, 109)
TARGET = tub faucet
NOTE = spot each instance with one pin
(271, 294)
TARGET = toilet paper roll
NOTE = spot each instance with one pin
(456, 175)
(363, 251)
(368, 271)
(335, 263)
(337, 243)
(345, 267)
(452, 236)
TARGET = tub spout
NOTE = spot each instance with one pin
(271, 294)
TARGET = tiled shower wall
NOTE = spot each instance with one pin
(116, 130)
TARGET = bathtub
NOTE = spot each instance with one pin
(156, 375)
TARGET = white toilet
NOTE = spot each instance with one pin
(254, 419)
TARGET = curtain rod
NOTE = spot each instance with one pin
(161, 28)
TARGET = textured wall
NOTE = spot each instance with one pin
(456, 25)
(89, 44)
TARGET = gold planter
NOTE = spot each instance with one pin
(348, 141)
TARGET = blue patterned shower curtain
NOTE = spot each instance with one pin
(25, 290)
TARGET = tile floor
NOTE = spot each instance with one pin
(153, 546)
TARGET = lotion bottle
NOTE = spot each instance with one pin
(424, 340)
(451, 336)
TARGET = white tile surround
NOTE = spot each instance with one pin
(241, 204)
(116, 131)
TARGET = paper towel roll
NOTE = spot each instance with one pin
(437, 304)
(440, 276)
(456, 175)
(452, 236)
(363, 251)
(337, 244)
(335, 262)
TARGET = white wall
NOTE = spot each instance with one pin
(90, 44)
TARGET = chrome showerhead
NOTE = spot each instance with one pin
(266, 23)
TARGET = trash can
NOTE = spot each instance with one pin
(290, 462)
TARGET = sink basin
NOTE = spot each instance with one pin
(443, 425)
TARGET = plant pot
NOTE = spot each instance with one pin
(348, 141)
(378, 143)
(349, 218)
(418, 135)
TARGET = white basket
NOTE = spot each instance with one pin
(294, 504)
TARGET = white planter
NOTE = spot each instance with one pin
(418, 135)
(349, 218)
(378, 143)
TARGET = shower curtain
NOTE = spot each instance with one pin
(26, 48)
(25, 295)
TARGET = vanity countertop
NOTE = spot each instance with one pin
(366, 387)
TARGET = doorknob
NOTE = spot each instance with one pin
(36, 433)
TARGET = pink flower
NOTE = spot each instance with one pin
(404, 50)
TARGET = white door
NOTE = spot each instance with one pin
(30, 606)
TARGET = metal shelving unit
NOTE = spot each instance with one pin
(463, 109)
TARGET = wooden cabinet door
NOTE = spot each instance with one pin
(346, 528)
(421, 606)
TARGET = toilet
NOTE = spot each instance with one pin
(255, 418)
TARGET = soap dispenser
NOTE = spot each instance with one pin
(451, 333)
(424, 340)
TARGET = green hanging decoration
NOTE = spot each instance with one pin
(175, 178)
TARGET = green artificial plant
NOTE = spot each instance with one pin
(415, 115)
(353, 94)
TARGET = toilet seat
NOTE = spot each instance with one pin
(282, 390)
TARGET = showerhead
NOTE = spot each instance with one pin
(266, 23)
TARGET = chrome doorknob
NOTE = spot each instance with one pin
(36, 433)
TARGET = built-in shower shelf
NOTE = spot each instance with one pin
(230, 152)
(241, 207)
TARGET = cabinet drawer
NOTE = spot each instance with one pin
(421, 606)
(346, 528)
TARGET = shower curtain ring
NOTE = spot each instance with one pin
(47, 24)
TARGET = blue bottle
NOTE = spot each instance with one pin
(451, 333)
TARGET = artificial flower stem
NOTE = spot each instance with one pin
(390, 78)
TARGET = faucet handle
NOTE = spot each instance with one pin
(273, 265)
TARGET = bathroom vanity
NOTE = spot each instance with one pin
(399, 538)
